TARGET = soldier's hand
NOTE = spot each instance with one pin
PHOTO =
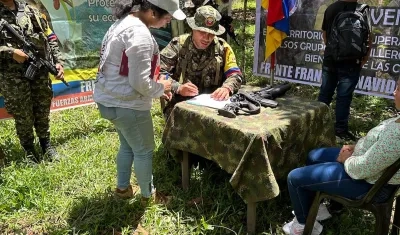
(20, 56)
(221, 93)
(188, 89)
(60, 69)
(166, 84)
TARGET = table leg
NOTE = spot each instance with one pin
(185, 171)
(251, 217)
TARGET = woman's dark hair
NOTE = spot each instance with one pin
(124, 7)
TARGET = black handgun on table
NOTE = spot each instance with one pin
(241, 101)
(266, 96)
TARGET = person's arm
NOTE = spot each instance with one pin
(53, 44)
(232, 72)
(7, 51)
(324, 36)
(324, 26)
(365, 59)
(169, 60)
(55, 51)
(139, 50)
(52, 41)
(383, 153)
(51, 36)
(13, 54)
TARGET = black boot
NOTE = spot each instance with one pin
(48, 150)
(31, 153)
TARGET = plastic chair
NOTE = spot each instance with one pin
(381, 211)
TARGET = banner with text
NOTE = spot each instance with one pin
(300, 57)
(80, 26)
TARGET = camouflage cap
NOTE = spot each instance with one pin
(207, 20)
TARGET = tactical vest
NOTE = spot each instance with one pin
(28, 24)
(206, 75)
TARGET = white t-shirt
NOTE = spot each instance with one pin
(129, 64)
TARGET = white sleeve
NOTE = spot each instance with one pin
(139, 50)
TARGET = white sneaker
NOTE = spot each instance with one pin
(295, 228)
(323, 213)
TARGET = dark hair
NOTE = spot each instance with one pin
(124, 7)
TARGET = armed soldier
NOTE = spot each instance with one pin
(201, 62)
(28, 100)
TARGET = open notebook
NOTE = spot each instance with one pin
(206, 100)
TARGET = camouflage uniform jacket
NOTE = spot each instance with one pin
(32, 25)
(208, 69)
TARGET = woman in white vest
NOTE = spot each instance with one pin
(128, 80)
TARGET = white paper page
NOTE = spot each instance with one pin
(206, 100)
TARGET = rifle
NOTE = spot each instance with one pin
(266, 96)
(34, 62)
(241, 101)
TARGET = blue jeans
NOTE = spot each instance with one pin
(136, 136)
(344, 81)
(322, 173)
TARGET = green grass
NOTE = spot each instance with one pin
(75, 195)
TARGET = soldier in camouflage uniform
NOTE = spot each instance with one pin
(28, 100)
(201, 62)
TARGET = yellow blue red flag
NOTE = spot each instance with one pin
(277, 22)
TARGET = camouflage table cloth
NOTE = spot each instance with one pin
(258, 149)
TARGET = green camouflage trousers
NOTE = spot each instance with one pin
(29, 102)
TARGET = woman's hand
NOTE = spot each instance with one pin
(343, 155)
(348, 148)
(167, 96)
(345, 152)
(166, 84)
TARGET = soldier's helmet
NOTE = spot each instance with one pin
(206, 19)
